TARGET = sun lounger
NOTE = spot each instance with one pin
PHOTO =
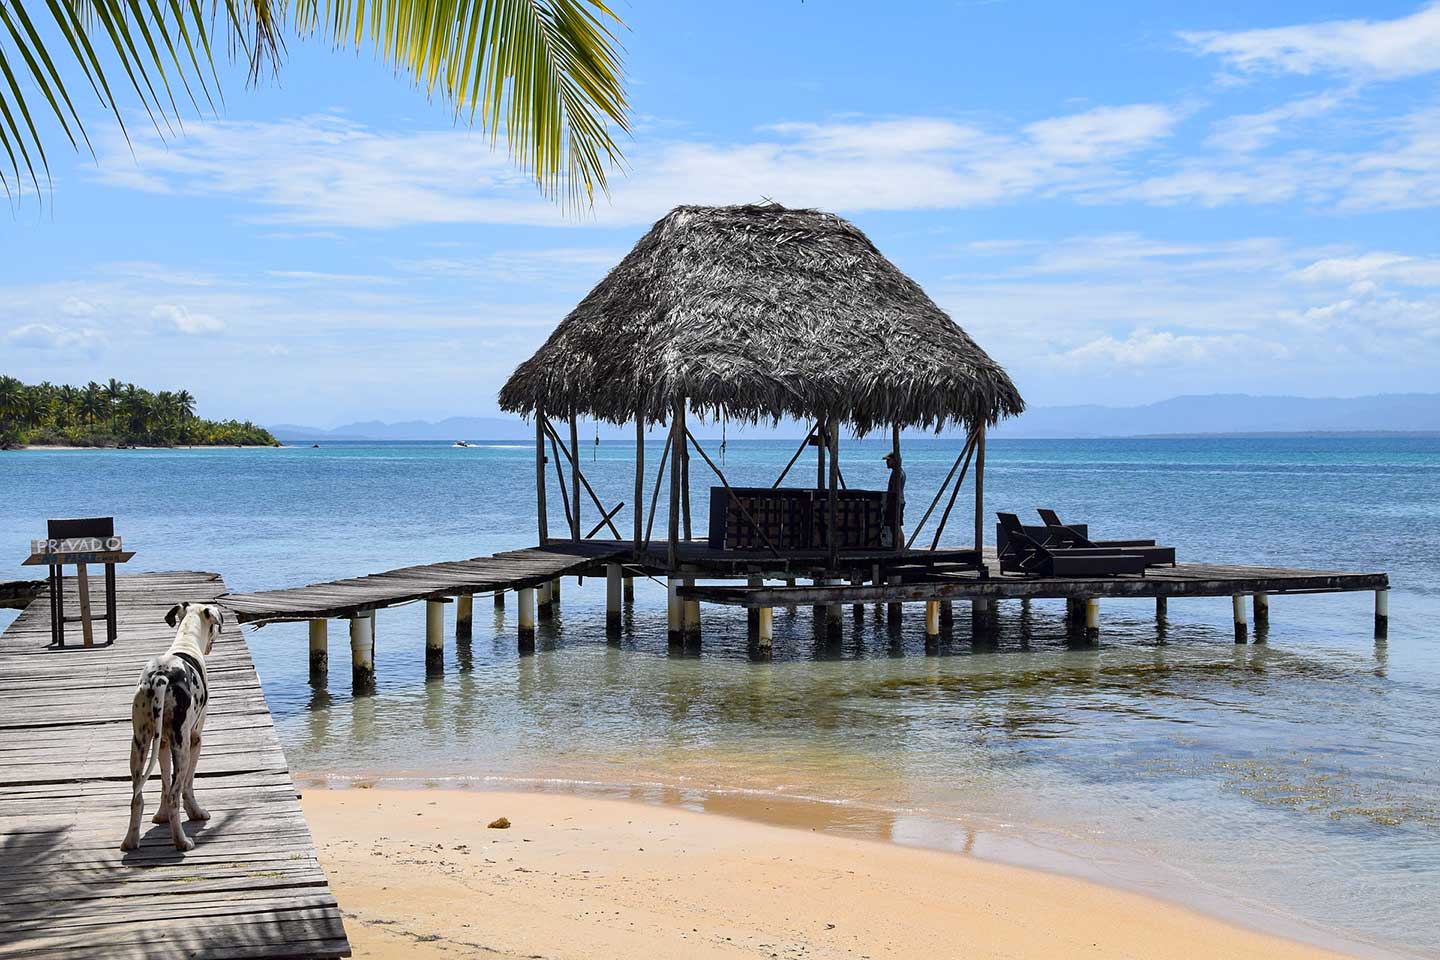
(1079, 535)
(1022, 553)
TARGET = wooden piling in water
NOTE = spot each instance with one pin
(612, 599)
(499, 599)
(434, 636)
(766, 632)
(1161, 610)
(1382, 613)
(319, 650)
(675, 619)
(1260, 605)
(362, 651)
(932, 620)
(1242, 628)
(690, 612)
(1092, 619)
(542, 601)
(464, 616)
(525, 597)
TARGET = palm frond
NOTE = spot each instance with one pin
(547, 74)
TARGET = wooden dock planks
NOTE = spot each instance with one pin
(511, 570)
(252, 886)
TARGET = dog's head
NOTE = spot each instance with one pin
(210, 615)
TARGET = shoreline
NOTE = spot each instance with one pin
(419, 874)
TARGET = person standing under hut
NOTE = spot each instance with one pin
(894, 500)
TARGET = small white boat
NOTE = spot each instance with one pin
(459, 443)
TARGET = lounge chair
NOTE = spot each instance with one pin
(1022, 553)
(1068, 535)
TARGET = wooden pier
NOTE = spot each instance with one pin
(252, 887)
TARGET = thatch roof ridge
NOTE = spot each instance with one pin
(757, 312)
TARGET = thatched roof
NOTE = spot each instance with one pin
(758, 313)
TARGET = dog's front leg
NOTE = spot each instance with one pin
(180, 751)
(193, 810)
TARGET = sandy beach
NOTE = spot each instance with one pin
(420, 874)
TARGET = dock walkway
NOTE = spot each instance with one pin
(510, 570)
(252, 887)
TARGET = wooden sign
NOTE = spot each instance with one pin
(79, 541)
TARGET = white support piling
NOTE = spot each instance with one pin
(675, 618)
(434, 636)
(979, 615)
(319, 649)
(613, 590)
(1092, 618)
(544, 605)
(752, 614)
(499, 599)
(1260, 607)
(893, 610)
(525, 596)
(766, 637)
(932, 620)
(464, 616)
(629, 589)
(1382, 612)
(362, 650)
(1242, 627)
(690, 612)
(555, 592)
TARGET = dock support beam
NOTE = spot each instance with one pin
(932, 621)
(434, 636)
(545, 609)
(690, 612)
(612, 599)
(1092, 619)
(499, 599)
(893, 611)
(362, 651)
(1382, 612)
(1162, 610)
(1242, 628)
(752, 614)
(319, 650)
(675, 619)
(629, 589)
(765, 639)
(526, 599)
(858, 609)
(1260, 603)
(980, 616)
(464, 615)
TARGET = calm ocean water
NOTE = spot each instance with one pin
(1294, 783)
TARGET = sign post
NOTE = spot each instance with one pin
(80, 542)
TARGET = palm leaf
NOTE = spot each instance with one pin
(545, 74)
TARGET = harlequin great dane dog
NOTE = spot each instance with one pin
(168, 715)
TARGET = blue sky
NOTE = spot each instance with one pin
(1121, 201)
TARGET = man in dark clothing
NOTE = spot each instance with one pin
(894, 499)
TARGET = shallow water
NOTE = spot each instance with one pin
(1294, 783)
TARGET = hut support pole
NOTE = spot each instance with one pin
(525, 598)
(362, 651)
(684, 464)
(1382, 613)
(319, 650)
(464, 615)
(740, 506)
(821, 445)
(655, 493)
(575, 479)
(832, 500)
(605, 515)
(674, 618)
(1237, 606)
(540, 510)
(434, 636)
(980, 488)
(798, 451)
(612, 599)
(677, 423)
(897, 535)
(639, 487)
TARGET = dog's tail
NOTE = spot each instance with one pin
(159, 688)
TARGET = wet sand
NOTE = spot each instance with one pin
(419, 874)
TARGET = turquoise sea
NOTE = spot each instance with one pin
(1292, 784)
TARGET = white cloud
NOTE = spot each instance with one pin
(1152, 348)
(176, 318)
(326, 171)
(75, 307)
(48, 337)
(1405, 46)
(1249, 132)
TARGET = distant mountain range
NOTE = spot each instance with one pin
(1232, 414)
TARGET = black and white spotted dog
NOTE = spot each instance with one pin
(168, 715)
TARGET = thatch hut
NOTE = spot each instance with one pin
(756, 313)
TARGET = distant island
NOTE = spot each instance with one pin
(112, 414)
(1231, 415)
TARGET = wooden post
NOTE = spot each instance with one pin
(752, 614)
(857, 610)
(832, 512)
(1092, 619)
(893, 610)
(82, 580)
(540, 511)
(898, 533)
(639, 494)
(1237, 606)
(677, 424)
(822, 444)
(574, 478)
(674, 617)
(691, 613)
(932, 620)
(499, 599)
(525, 596)
(1382, 612)
(766, 632)
(947, 613)
(543, 600)
(979, 615)
(1074, 611)
(612, 599)
(1260, 604)
(685, 474)
(362, 651)
(319, 650)
(1161, 610)
(434, 636)
(464, 615)
(112, 624)
(555, 595)
(980, 489)
(629, 589)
